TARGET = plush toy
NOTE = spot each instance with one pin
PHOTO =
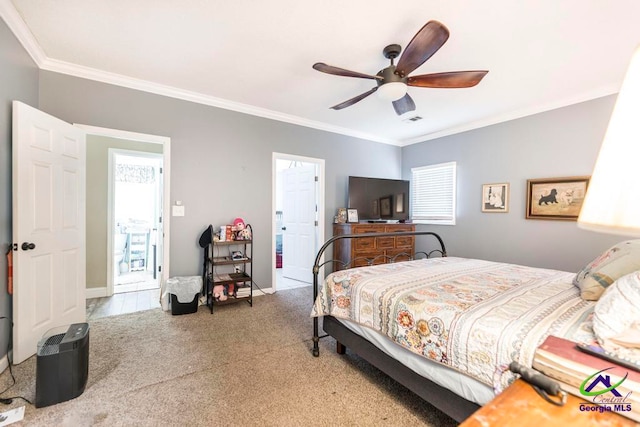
(241, 230)
(219, 293)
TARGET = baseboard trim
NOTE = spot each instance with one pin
(4, 363)
(96, 293)
(262, 291)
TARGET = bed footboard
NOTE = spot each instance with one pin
(319, 263)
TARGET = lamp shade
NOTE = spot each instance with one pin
(392, 91)
(612, 202)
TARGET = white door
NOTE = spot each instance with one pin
(48, 226)
(298, 219)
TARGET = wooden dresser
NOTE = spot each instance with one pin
(376, 248)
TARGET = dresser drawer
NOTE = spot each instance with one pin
(362, 259)
(364, 244)
(358, 229)
(404, 241)
(385, 242)
(398, 255)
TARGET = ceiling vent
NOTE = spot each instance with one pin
(412, 119)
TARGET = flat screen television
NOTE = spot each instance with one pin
(379, 199)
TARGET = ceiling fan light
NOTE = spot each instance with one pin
(392, 91)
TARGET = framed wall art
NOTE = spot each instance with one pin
(495, 197)
(556, 198)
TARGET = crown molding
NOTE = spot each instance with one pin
(17, 26)
(185, 95)
(26, 38)
(513, 115)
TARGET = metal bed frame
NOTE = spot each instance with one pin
(440, 397)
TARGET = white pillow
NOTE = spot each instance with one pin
(616, 316)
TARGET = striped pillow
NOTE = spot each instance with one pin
(614, 263)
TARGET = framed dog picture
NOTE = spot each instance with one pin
(556, 198)
(495, 197)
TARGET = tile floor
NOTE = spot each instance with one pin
(127, 302)
(135, 281)
(140, 298)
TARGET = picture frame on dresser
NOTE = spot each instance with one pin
(352, 215)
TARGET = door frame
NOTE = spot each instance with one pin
(166, 174)
(320, 196)
(111, 205)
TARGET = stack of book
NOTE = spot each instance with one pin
(580, 374)
(243, 292)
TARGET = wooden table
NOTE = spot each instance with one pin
(520, 405)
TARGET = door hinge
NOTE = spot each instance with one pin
(316, 178)
(159, 268)
(160, 170)
(315, 223)
(160, 220)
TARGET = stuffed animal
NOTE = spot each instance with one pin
(219, 293)
(241, 230)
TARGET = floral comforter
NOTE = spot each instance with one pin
(472, 315)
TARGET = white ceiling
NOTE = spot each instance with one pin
(256, 56)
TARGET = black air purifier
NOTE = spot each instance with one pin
(62, 364)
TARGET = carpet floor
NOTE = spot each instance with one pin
(240, 366)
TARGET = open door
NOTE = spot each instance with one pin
(49, 282)
(299, 222)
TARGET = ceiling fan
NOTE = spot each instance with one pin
(393, 80)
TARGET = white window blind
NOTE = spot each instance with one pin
(433, 194)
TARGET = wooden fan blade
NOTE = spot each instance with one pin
(453, 79)
(404, 104)
(422, 46)
(329, 69)
(353, 100)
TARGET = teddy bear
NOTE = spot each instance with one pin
(241, 230)
(219, 293)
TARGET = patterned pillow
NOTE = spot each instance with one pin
(616, 315)
(614, 263)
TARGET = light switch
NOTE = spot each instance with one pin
(177, 210)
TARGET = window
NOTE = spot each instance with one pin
(433, 194)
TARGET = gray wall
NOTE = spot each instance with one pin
(18, 81)
(221, 160)
(559, 143)
(97, 201)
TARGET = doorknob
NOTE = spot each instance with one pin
(284, 228)
(26, 246)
